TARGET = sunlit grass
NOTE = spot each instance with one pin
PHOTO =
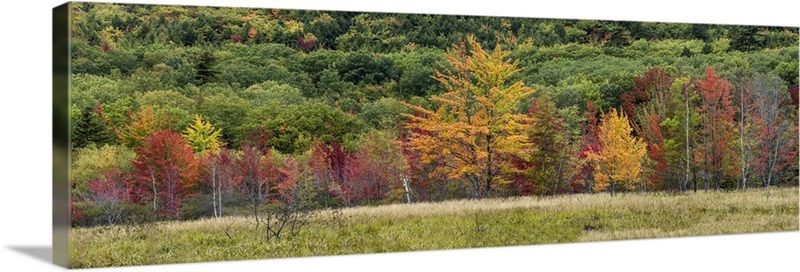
(447, 225)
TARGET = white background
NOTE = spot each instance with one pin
(25, 151)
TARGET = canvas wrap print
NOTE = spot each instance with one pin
(186, 133)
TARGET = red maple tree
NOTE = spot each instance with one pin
(165, 169)
(256, 175)
(375, 170)
(590, 143)
(714, 153)
(327, 165)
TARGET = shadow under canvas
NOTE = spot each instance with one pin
(42, 253)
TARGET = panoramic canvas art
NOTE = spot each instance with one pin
(192, 133)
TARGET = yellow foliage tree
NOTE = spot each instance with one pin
(621, 156)
(202, 136)
(475, 130)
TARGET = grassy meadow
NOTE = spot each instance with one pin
(446, 225)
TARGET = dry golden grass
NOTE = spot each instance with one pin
(450, 224)
(756, 198)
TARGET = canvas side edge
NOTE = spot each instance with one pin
(61, 150)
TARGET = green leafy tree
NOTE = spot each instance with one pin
(271, 93)
(373, 33)
(681, 128)
(227, 112)
(549, 156)
(166, 99)
(326, 28)
(384, 113)
(417, 71)
(362, 67)
(292, 128)
(87, 90)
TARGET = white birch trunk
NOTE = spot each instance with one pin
(408, 193)
(155, 192)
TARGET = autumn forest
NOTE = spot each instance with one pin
(184, 113)
(185, 109)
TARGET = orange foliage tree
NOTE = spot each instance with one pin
(475, 128)
(142, 124)
(620, 160)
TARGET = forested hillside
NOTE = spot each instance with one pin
(187, 112)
